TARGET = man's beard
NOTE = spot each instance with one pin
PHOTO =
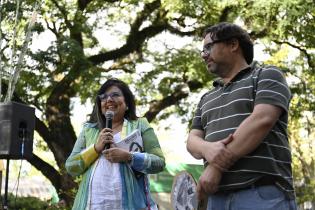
(219, 69)
(213, 68)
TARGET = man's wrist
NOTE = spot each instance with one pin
(216, 167)
(202, 148)
(233, 157)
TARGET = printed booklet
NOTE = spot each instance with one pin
(133, 142)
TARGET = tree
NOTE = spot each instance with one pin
(294, 53)
(77, 59)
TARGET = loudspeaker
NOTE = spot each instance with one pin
(17, 122)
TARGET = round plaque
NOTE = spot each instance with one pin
(183, 195)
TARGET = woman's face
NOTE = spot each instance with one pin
(114, 100)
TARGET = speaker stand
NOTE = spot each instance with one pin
(5, 200)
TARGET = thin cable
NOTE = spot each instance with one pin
(17, 183)
(17, 69)
(8, 97)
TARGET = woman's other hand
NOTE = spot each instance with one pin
(104, 137)
(117, 155)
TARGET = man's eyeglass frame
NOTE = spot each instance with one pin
(206, 51)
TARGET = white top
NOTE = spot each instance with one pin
(106, 187)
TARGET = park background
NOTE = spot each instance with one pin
(73, 46)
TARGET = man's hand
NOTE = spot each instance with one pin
(218, 155)
(208, 182)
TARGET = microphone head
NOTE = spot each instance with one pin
(109, 114)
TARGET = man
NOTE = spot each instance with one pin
(240, 128)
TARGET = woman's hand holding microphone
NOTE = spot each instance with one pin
(112, 154)
(105, 138)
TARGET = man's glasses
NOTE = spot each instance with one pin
(113, 95)
(206, 51)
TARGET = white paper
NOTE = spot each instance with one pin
(132, 143)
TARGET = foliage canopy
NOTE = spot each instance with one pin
(141, 42)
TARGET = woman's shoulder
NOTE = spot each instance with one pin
(89, 128)
(140, 122)
(88, 125)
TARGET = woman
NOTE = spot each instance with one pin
(114, 178)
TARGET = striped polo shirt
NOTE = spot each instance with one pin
(222, 109)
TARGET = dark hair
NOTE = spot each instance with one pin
(227, 31)
(130, 114)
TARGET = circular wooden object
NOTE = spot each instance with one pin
(183, 195)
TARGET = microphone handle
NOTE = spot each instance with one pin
(108, 124)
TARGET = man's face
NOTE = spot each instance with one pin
(213, 54)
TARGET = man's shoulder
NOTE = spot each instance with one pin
(209, 92)
(267, 68)
(268, 71)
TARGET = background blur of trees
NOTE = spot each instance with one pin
(154, 45)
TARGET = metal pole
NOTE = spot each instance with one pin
(1, 169)
(5, 203)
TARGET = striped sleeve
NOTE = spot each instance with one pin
(81, 156)
(196, 122)
(272, 88)
(152, 160)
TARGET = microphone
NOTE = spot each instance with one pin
(108, 123)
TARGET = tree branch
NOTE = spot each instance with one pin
(82, 4)
(62, 182)
(259, 34)
(300, 48)
(47, 170)
(197, 31)
(63, 12)
(176, 31)
(178, 94)
(120, 65)
(225, 13)
(41, 129)
(144, 14)
(53, 29)
(299, 155)
(136, 38)
(157, 106)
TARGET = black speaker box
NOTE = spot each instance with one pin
(17, 123)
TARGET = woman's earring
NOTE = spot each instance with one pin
(127, 108)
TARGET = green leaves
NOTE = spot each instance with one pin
(154, 46)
